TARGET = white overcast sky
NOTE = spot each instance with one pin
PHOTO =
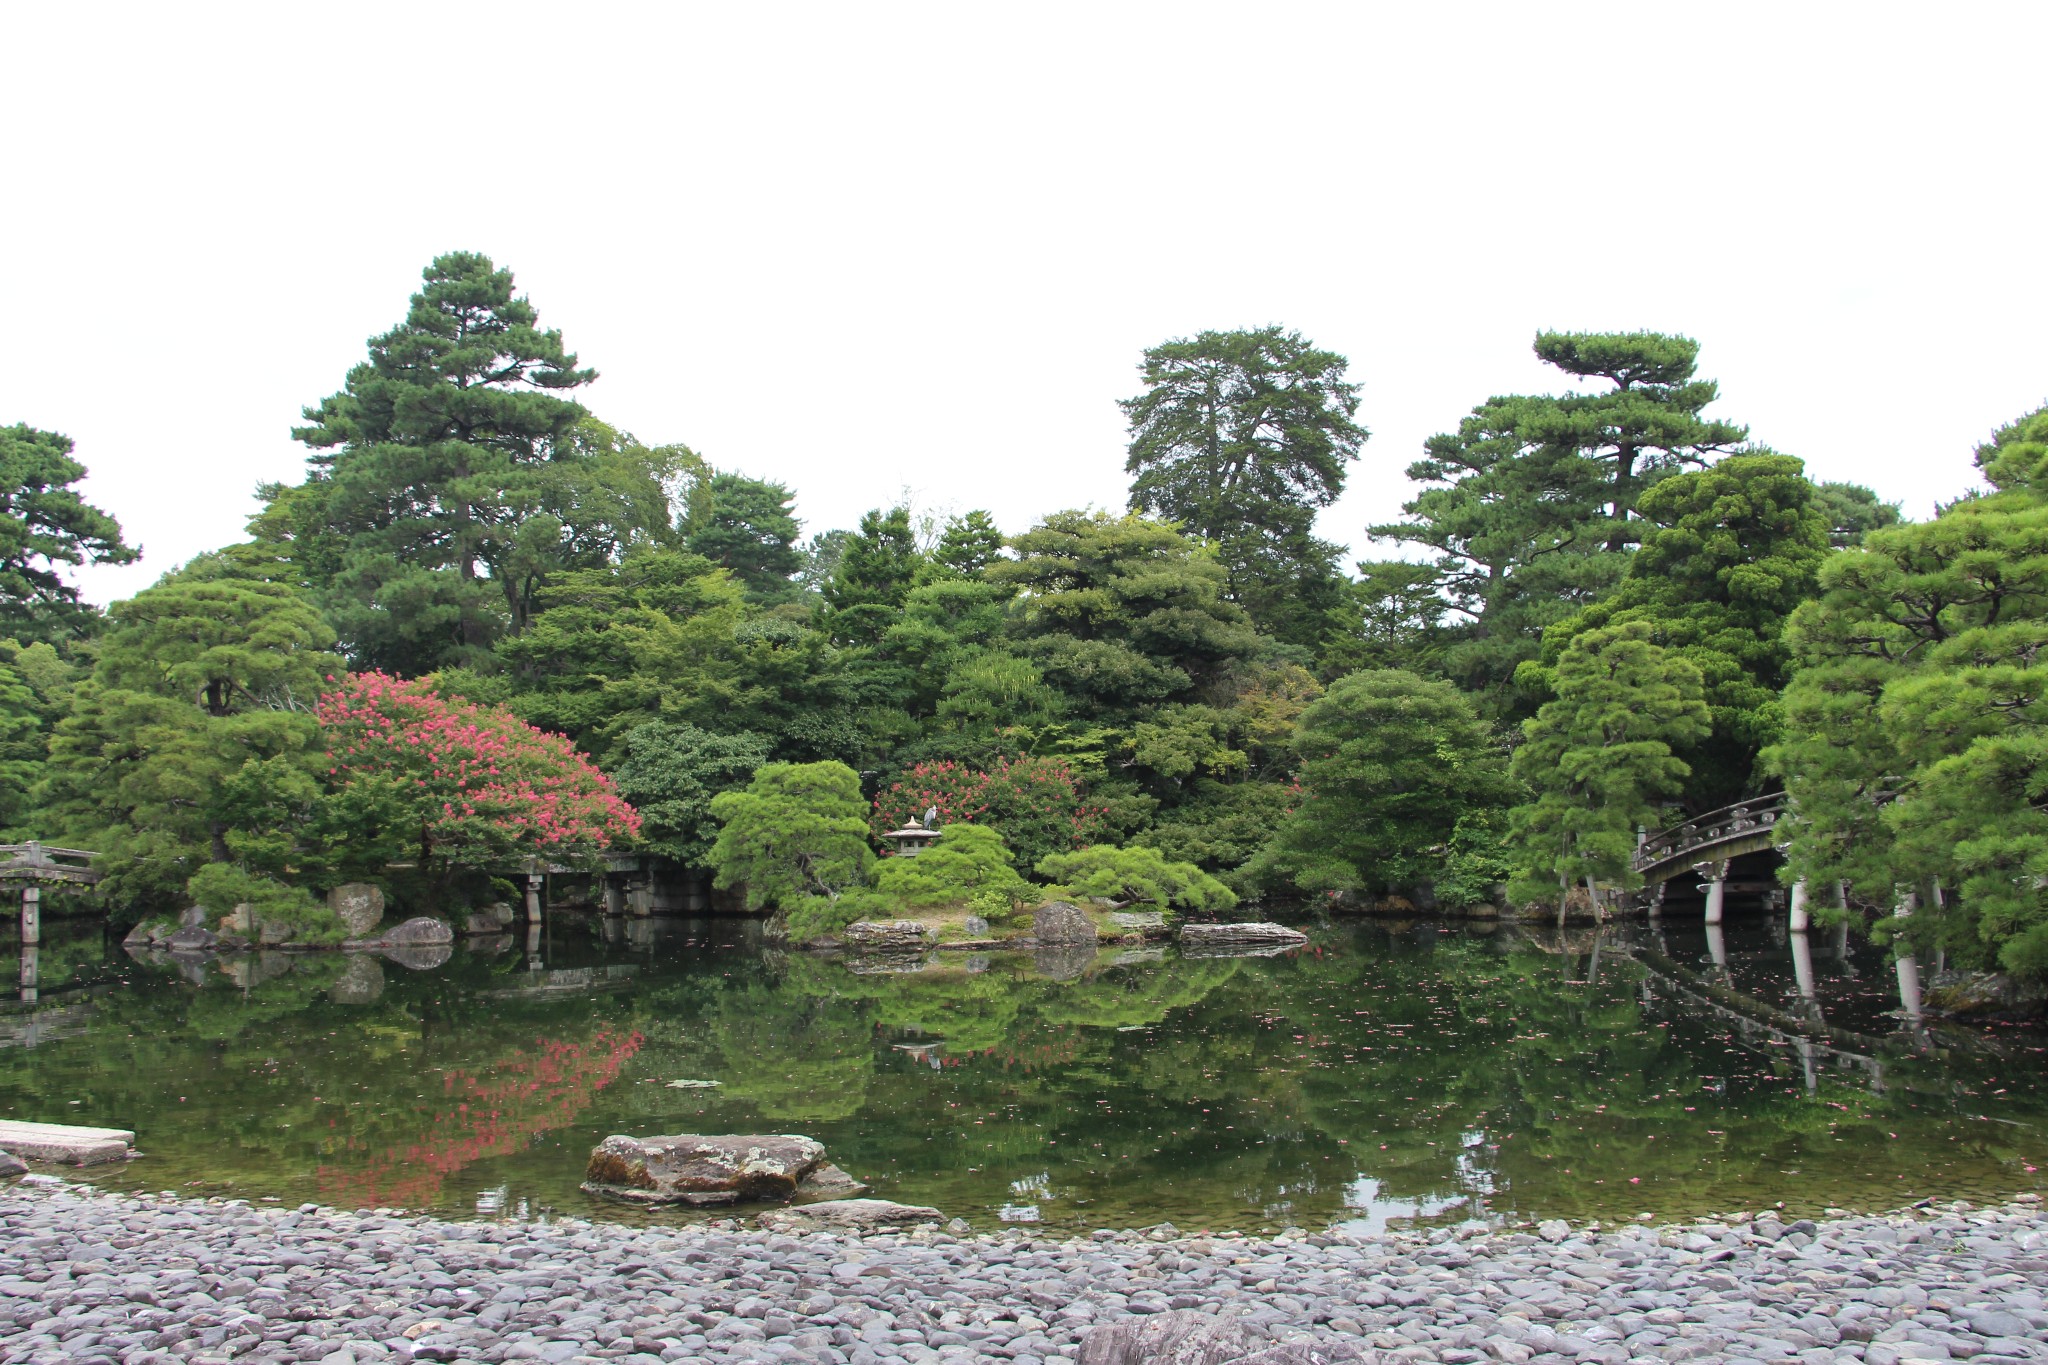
(864, 247)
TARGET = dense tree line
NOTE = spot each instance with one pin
(1601, 606)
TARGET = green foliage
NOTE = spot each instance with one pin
(1915, 744)
(36, 684)
(461, 478)
(671, 773)
(615, 646)
(1392, 617)
(876, 569)
(1735, 548)
(749, 529)
(1221, 826)
(1598, 756)
(1527, 501)
(1389, 762)
(966, 863)
(1852, 512)
(971, 542)
(222, 888)
(44, 523)
(193, 740)
(1241, 437)
(799, 830)
(1036, 804)
(1131, 875)
(1122, 613)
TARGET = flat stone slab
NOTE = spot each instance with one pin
(72, 1145)
(864, 1215)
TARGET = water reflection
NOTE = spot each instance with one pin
(1393, 1071)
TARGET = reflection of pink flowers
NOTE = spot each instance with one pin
(484, 775)
(492, 1114)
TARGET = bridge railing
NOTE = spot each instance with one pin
(1754, 815)
(34, 862)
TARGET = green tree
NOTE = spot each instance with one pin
(970, 544)
(798, 833)
(1389, 763)
(1132, 875)
(460, 476)
(36, 684)
(967, 863)
(194, 740)
(1597, 758)
(1733, 550)
(1121, 613)
(1528, 501)
(876, 569)
(1392, 617)
(1915, 747)
(749, 528)
(671, 773)
(44, 523)
(1242, 437)
(1852, 512)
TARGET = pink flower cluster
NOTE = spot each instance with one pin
(471, 774)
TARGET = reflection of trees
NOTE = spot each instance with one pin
(798, 1057)
(490, 1112)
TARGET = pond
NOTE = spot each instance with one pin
(1387, 1071)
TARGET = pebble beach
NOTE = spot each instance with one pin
(88, 1276)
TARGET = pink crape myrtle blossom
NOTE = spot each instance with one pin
(474, 784)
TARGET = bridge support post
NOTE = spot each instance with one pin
(1800, 918)
(29, 972)
(533, 881)
(614, 898)
(1802, 967)
(1716, 875)
(1717, 946)
(31, 915)
(1909, 988)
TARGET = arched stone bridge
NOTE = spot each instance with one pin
(1716, 837)
(1706, 844)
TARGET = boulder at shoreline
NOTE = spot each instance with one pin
(855, 1215)
(699, 1169)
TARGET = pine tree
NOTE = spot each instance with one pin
(44, 523)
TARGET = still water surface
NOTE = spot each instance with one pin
(1388, 1071)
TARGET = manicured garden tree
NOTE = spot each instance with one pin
(967, 865)
(415, 776)
(44, 526)
(797, 834)
(1597, 758)
(1915, 747)
(1131, 875)
(1035, 804)
(1389, 763)
(192, 742)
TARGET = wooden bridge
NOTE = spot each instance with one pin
(1706, 844)
(30, 867)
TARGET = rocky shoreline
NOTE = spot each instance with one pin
(88, 1276)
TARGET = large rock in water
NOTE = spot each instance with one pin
(856, 1215)
(691, 1168)
(1241, 937)
(361, 981)
(1062, 922)
(886, 936)
(1200, 1337)
(358, 905)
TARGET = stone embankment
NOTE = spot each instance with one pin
(88, 1277)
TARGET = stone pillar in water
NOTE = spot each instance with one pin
(533, 897)
(1717, 946)
(1716, 889)
(1802, 967)
(31, 915)
(614, 897)
(1909, 987)
(29, 972)
(1799, 916)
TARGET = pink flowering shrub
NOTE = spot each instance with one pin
(459, 784)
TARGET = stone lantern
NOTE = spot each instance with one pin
(912, 839)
